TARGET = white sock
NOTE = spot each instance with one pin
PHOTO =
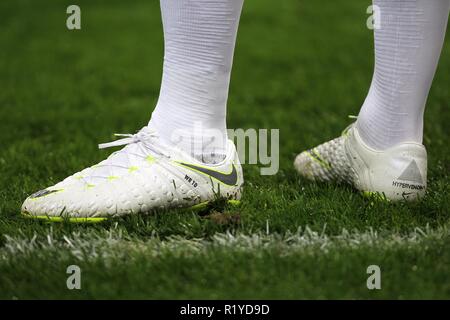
(407, 49)
(199, 37)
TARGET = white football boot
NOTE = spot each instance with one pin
(397, 173)
(142, 177)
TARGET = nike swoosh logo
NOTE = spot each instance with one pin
(406, 194)
(226, 178)
(43, 193)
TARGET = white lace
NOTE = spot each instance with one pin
(138, 146)
(146, 136)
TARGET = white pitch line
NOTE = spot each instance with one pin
(113, 244)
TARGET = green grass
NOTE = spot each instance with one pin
(300, 66)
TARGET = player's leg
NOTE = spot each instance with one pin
(182, 158)
(199, 39)
(407, 50)
(383, 152)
